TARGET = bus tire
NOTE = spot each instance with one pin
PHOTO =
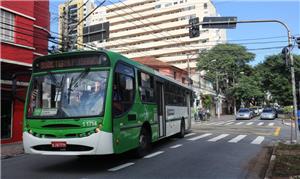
(144, 143)
(182, 130)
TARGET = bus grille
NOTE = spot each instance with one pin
(69, 147)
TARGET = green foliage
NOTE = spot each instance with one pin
(207, 101)
(226, 61)
(276, 78)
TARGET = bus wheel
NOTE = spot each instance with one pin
(182, 130)
(144, 143)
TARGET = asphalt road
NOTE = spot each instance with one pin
(222, 149)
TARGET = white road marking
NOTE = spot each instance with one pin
(176, 146)
(200, 137)
(213, 123)
(218, 138)
(237, 138)
(239, 123)
(271, 124)
(190, 134)
(228, 123)
(120, 167)
(219, 123)
(261, 123)
(249, 123)
(258, 140)
(154, 154)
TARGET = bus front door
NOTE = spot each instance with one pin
(161, 109)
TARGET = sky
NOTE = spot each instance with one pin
(254, 36)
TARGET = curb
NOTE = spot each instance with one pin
(268, 174)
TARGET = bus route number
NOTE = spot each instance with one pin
(89, 123)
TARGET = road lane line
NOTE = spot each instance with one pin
(277, 131)
(218, 138)
(228, 123)
(219, 123)
(213, 123)
(237, 138)
(200, 137)
(154, 154)
(190, 134)
(258, 140)
(260, 124)
(239, 123)
(249, 123)
(120, 167)
(176, 146)
(271, 124)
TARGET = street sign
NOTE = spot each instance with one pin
(194, 29)
(219, 22)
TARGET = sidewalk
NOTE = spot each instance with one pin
(10, 150)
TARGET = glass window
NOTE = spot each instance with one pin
(123, 89)
(146, 87)
(63, 95)
(205, 5)
(7, 23)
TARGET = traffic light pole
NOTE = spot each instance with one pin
(231, 23)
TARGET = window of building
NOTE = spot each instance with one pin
(6, 112)
(158, 6)
(146, 87)
(205, 5)
(123, 89)
(168, 4)
(7, 23)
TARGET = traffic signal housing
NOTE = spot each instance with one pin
(194, 27)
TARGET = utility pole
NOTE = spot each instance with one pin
(65, 30)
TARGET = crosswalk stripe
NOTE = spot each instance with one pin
(239, 123)
(154, 154)
(200, 137)
(219, 123)
(213, 123)
(249, 123)
(228, 123)
(258, 140)
(190, 134)
(261, 123)
(237, 138)
(218, 138)
(271, 124)
(120, 167)
(176, 146)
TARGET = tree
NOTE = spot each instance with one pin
(275, 76)
(226, 62)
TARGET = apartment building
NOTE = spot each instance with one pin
(158, 28)
(71, 13)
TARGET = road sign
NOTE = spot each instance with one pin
(219, 22)
(194, 29)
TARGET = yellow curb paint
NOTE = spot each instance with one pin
(277, 131)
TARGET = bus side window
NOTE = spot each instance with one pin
(123, 89)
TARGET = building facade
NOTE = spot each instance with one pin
(24, 36)
(69, 28)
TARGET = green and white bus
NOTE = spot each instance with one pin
(100, 102)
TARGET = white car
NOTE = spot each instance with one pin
(244, 113)
(268, 113)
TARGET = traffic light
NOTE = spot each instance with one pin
(285, 55)
(194, 29)
(298, 41)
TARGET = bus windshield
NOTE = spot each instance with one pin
(64, 95)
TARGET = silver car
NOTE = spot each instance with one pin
(244, 113)
(268, 113)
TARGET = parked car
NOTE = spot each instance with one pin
(268, 113)
(255, 111)
(244, 113)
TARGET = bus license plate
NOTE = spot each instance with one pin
(59, 144)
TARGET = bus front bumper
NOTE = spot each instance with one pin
(100, 143)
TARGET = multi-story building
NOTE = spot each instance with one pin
(159, 29)
(70, 30)
(24, 36)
